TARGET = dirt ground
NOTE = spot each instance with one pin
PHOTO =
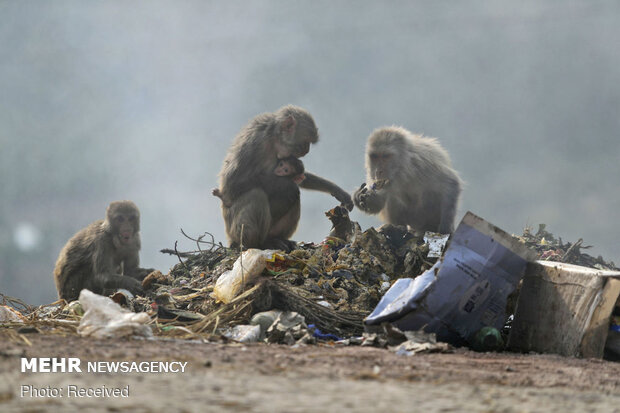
(275, 378)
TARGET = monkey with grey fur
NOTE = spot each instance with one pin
(409, 181)
(104, 256)
(267, 220)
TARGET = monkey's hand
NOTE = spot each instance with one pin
(360, 195)
(369, 200)
(286, 245)
(114, 281)
(133, 285)
(344, 198)
(140, 273)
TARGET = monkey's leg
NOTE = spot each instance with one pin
(69, 287)
(250, 214)
(131, 267)
(283, 229)
(317, 183)
(449, 204)
(106, 283)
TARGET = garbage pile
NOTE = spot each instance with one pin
(550, 248)
(333, 285)
(318, 291)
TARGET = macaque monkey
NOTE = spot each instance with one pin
(290, 167)
(103, 256)
(409, 181)
(268, 220)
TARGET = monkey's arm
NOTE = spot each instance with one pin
(131, 267)
(104, 276)
(449, 202)
(317, 183)
(369, 200)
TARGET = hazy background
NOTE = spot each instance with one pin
(101, 101)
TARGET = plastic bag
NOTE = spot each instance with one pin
(10, 315)
(230, 283)
(103, 318)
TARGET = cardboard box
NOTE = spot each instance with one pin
(564, 309)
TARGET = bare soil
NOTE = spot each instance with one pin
(319, 378)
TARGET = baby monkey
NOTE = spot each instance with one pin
(286, 170)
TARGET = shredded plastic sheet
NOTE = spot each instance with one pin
(103, 318)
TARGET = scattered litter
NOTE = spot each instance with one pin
(9, 314)
(244, 333)
(488, 339)
(155, 277)
(420, 342)
(436, 243)
(103, 318)
(323, 336)
(343, 228)
(289, 328)
(247, 267)
(265, 319)
(74, 308)
(123, 297)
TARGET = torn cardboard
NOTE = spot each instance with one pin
(564, 309)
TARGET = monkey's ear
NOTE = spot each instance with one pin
(288, 125)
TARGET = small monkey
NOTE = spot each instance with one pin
(409, 181)
(291, 168)
(104, 256)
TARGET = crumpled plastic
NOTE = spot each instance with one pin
(103, 318)
(248, 266)
(8, 314)
(289, 328)
(244, 333)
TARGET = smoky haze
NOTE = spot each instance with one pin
(101, 101)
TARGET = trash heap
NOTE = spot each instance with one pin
(551, 249)
(318, 291)
(333, 285)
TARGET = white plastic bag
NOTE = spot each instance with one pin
(230, 283)
(10, 315)
(103, 318)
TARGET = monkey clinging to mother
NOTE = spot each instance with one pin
(253, 215)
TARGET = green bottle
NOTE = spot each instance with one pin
(487, 339)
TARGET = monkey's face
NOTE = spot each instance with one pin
(284, 169)
(125, 226)
(123, 220)
(380, 164)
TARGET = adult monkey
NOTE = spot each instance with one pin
(409, 181)
(265, 221)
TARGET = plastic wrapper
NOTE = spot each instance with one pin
(103, 318)
(230, 283)
(10, 315)
(244, 333)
